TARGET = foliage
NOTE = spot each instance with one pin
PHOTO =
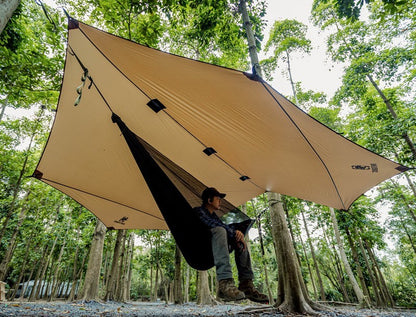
(286, 37)
(351, 9)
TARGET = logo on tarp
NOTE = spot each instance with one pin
(373, 167)
(122, 221)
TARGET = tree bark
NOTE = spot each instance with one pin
(123, 287)
(4, 265)
(129, 272)
(357, 290)
(56, 272)
(318, 274)
(295, 97)
(22, 269)
(156, 284)
(92, 276)
(290, 295)
(4, 105)
(24, 288)
(252, 48)
(120, 280)
(112, 280)
(187, 283)
(338, 270)
(38, 273)
(74, 270)
(45, 267)
(203, 293)
(177, 286)
(357, 264)
(370, 271)
(264, 263)
(383, 286)
(7, 8)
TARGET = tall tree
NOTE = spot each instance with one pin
(372, 64)
(92, 276)
(357, 290)
(292, 295)
(286, 37)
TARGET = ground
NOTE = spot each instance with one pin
(159, 309)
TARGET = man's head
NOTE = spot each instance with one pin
(209, 196)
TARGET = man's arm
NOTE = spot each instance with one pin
(212, 222)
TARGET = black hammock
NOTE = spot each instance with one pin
(191, 236)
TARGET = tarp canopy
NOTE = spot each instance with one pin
(202, 124)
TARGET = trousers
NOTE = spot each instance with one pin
(221, 252)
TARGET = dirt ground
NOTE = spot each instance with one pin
(159, 309)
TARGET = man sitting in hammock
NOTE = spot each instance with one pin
(225, 239)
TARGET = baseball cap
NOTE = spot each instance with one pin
(211, 192)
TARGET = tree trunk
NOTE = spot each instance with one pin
(16, 188)
(56, 272)
(203, 293)
(4, 105)
(45, 265)
(129, 272)
(156, 284)
(7, 7)
(369, 271)
(263, 262)
(92, 276)
(77, 280)
(321, 285)
(403, 223)
(412, 186)
(22, 270)
(315, 293)
(357, 290)
(119, 287)
(290, 295)
(187, 283)
(38, 273)
(295, 97)
(24, 288)
(177, 286)
(4, 265)
(357, 264)
(338, 269)
(74, 270)
(112, 279)
(125, 269)
(386, 293)
(252, 48)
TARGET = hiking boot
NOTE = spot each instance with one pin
(228, 292)
(251, 293)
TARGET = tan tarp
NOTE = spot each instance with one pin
(255, 131)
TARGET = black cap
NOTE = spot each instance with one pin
(210, 192)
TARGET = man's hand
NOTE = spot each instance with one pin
(239, 237)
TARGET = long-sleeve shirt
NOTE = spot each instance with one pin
(211, 220)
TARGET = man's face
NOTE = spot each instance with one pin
(215, 202)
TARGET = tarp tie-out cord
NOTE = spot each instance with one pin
(40, 3)
(84, 77)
